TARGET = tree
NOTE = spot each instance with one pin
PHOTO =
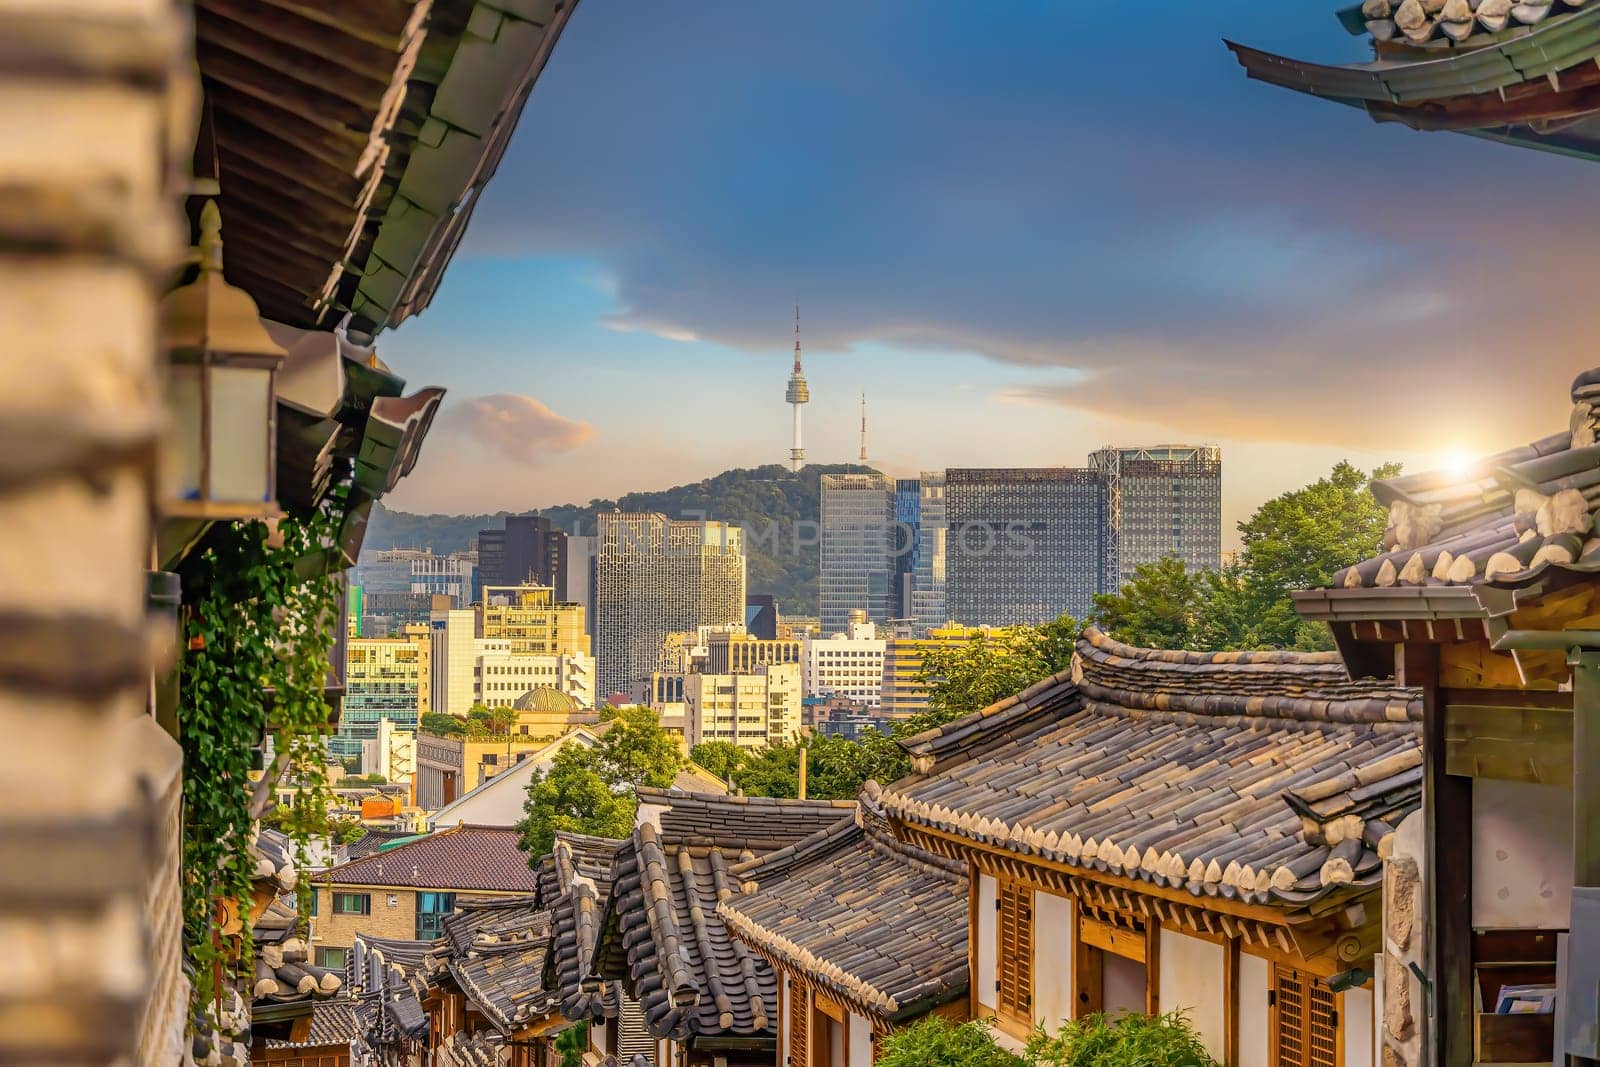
(573, 796)
(721, 758)
(501, 720)
(773, 771)
(970, 676)
(837, 767)
(442, 725)
(636, 751)
(1159, 607)
(933, 1042)
(1299, 539)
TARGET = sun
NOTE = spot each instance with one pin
(1459, 462)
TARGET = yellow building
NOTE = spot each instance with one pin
(447, 767)
(904, 693)
(533, 621)
(748, 710)
(736, 652)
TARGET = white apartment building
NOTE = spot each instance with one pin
(750, 710)
(848, 664)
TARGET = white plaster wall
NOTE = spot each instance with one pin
(860, 1041)
(1255, 982)
(838, 1041)
(1521, 855)
(1356, 1018)
(1122, 984)
(1052, 960)
(1192, 982)
(984, 980)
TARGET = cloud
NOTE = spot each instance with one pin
(517, 428)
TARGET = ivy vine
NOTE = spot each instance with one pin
(256, 624)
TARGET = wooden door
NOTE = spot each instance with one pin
(1014, 953)
(799, 1025)
(1305, 1021)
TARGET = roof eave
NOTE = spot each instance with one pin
(1422, 603)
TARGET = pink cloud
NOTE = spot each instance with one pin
(515, 427)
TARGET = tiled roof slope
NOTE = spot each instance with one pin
(575, 884)
(388, 977)
(497, 954)
(333, 1022)
(1267, 777)
(661, 933)
(460, 858)
(1508, 515)
(880, 922)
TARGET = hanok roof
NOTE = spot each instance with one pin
(575, 884)
(1522, 73)
(879, 922)
(336, 1021)
(661, 934)
(1177, 769)
(497, 954)
(1501, 522)
(462, 858)
(389, 977)
(283, 971)
(352, 141)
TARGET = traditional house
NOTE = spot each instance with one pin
(1522, 73)
(1152, 830)
(334, 1031)
(406, 892)
(494, 953)
(575, 884)
(867, 933)
(706, 997)
(402, 1014)
(1487, 599)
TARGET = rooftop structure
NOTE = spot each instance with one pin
(1161, 500)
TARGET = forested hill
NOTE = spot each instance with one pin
(773, 504)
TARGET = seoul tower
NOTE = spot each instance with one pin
(798, 393)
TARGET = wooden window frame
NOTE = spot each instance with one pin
(1014, 931)
(799, 1035)
(1092, 940)
(1308, 984)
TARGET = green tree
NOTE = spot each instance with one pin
(773, 771)
(443, 725)
(1132, 1040)
(636, 751)
(721, 758)
(1299, 539)
(837, 767)
(573, 796)
(1159, 607)
(933, 1042)
(970, 676)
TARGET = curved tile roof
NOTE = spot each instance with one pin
(880, 922)
(497, 955)
(575, 884)
(1264, 777)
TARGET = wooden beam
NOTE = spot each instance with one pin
(1088, 979)
(1447, 819)
(1113, 939)
(974, 980)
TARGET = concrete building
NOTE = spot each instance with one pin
(904, 691)
(392, 754)
(655, 576)
(454, 635)
(848, 664)
(905, 545)
(449, 576)
(1024, 544)
(526, 550)
(857, 541)
(534, 620)
(733, 651)
(1165, 500)
(749, 710)
(519, 639)
(501, 676)
(448, 767)
(387, 680)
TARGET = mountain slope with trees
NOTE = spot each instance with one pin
(777, 508)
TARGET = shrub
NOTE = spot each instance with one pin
(932, 1042)
(1124, 1041)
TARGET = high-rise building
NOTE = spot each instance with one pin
(749, 710)
(905, 544)
(655, 576)
(761, 615)
(386, 680)
(846, 664)
(1024, 544)
(1161, 501)
(528, 550)
(857, 548)
(928, 579)
(519, 639)
(449, 576)
(533, 620)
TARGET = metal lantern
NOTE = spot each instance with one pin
(221, 392)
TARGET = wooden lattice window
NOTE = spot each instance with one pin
(799, 1025)
(1305, 1021)
(1014, 955)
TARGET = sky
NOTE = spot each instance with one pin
(1024, 230)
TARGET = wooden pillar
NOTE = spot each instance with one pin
(1152, 967)
(1230, 1002)
(974, 980)
(1447, 822)
(1585, 784)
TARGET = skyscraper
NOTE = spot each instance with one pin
(797, 394)
(1161, 501)
(655, 576)
(928, 579)
(905, 544)
(1024, 544)
(857, 544)
(528, 549)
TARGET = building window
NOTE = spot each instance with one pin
(431, 910)
(352, 904)
(1305, 1021)
(1014, 955)
(333, 958)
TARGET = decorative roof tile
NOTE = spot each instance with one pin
(575, 884)
(496, 952)
(879, 922)
(1178, 769)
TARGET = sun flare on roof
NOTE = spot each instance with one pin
(1459, 462)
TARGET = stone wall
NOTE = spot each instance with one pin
(1405, 1009)
(97, 121)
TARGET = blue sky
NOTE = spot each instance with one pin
(1024, 229)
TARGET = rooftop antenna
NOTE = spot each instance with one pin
(863, 428)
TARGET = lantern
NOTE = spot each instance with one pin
(221, 392)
